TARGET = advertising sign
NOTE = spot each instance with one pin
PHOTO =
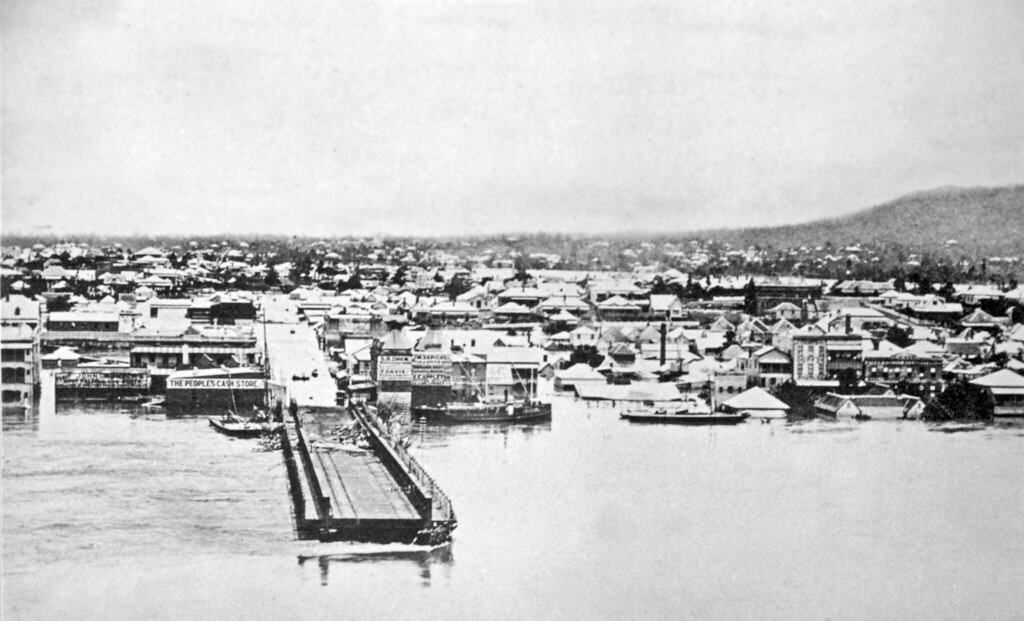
(432, 369)
(394, 368)
(123, 379)
(182, 383)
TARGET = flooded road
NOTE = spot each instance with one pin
(116, 512)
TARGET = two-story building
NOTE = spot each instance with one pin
(19, 348)
(822, 359)
(919, 374)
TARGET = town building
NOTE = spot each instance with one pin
(822, 359)
(1006, 390)
(19, 348)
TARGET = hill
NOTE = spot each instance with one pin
(983, 221)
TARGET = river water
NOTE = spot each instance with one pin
(115, 513)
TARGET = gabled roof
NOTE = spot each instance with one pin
(564, 301)
(924, 349)
(766, 353)
(1003, 378)
(662, 302)
(755, 399)
(62, 353)
(618, 302)
(54, 272)
(752, 324)
(579, 370)
(621, 349)
(649, 334)
(809, 330)
(980, 318)
(512, 308)
(731, 352)
(721, 325)
(397, 340)
(564, 316)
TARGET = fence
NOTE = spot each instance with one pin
(441, 506)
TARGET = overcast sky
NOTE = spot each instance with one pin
(463, 116)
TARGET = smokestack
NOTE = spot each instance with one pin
(848, 329)
(664, 337)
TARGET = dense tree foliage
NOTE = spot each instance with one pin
(960, 401)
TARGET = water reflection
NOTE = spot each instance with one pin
(425, 559)
(436, 434)
(20, 418)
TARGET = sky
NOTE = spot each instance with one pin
(455, 117)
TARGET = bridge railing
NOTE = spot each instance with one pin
(321, 500)
(441, 505)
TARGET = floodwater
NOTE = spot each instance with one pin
(114, 513)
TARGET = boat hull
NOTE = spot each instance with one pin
(686, 419)
(245, 429)
(485, 413)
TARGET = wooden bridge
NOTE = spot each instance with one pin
(341, 492)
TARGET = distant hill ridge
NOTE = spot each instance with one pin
(982, 220)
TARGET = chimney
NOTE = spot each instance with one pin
(848, 329)
(664, 337)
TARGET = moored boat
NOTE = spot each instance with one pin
(684, 418)
(237, 427)
(485, 412)
(692, 411)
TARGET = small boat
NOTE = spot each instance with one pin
(485, 412)
(238, 427)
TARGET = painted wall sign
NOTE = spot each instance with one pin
(214, 383)
(431, 369)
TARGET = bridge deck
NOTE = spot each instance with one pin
(361, 488)
(358, 484)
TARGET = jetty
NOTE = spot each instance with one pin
(375, 491)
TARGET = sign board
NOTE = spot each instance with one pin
(431, 369)
(207, 383)
(394, 368)
(128, 379)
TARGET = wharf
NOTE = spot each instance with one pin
(379, 493)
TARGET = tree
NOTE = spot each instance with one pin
(799, 399)
(400, 276)
(730, 337)
(961, 401)
(272, 279)
(658, 286)
(353, 282)
(899, 336)
(750, 298)
(456, 287)
(587, 354)
(848, 380)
